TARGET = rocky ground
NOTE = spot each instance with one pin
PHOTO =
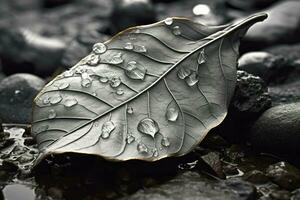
(253, 154)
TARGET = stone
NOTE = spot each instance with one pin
(267, 66)
(280, 195)
(131, 13)
(16, 96)
(256, 176)
(285, 93)
(288, 51)
(281, 27)
(278, 130)
(190, 185)
(285, 175)
(24, 51)
(213, 161)
(244, 189)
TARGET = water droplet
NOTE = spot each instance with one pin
(142, 148)
(86, 82)
(107, 128)
(165, 142)
(117, 59)
(129, 110)
(68, 73)
(183, 73)
(70, 102)
(51, 114)
(172, 112)
(148, 126)
(119, 91)
(169, 21)
(192, 79)
(155, 153)
(202, 57)
(140, 48)
(63, 85)
(130, 138)
(128, 46)
(46, 100)
(103, 79)
(176, 30)
(55, 99)
(137, 30)
(99, 48)
(94, 94)
(135, 70)
(93, 60)
(115, 81)
(17, 92)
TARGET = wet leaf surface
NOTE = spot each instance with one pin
(175, 78)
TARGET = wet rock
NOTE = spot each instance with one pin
(280, 195)
(256, 176)
(212, 160)
(189, 185)
(285, 175)
(269, 67)
(244, 189)
(250, 4)
(285, 93)
(132, 13)
(296, 194)
(16, 96)
(278, 130)
(6, 143)
(249, 101)
(281, 27)
(23, 51)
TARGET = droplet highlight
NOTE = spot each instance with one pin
(130, 139)
(183, 73)
(55, 99)
(120, 91)
(51, 114)
(128, 46)
(172, 112)
(68, 73)
(155, 153)
(168, 21)
(103, 79)
(93, 60)
(176, 30)
(117, 59)
(99, 48)
(63, 85)
(115, 81)
(130, 110)
(107, 128)
(70, 103)
(201, 57)
(192, 79)
(142, 148)
(165, 142)
(148, 126)
(135, 70)
(140, 48)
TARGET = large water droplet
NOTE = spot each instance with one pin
(129, 110)
(142, 148)
(51, 114)
(93, 60)
(172, 112)
(68, 73)
(183, 73)
(192, 79)
(148, 126)
(117, 59)
(107, 128)
(86, 82)
(202, 57)
(155, 153)
(120, 91)
(70, 102)
(63, 85)
(46, 100)
(165, 142)
(168, 21)
(99, 48)
(115, 81)
(128, 46)
(103, 79)
(55, 99)
(140, 48)
(135, 70)
(176, 30)
(130, 138)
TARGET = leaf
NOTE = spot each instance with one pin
(148, 93)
